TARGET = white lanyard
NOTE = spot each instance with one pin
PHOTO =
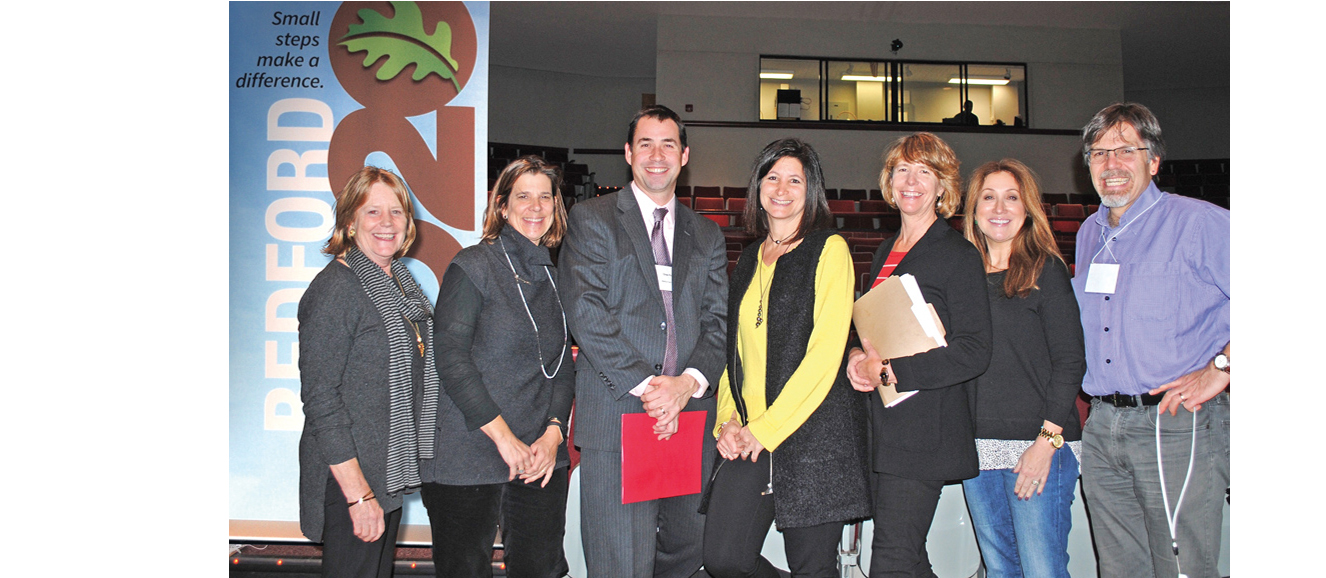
(1160, 465)
(1106, 243)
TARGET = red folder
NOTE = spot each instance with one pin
(654, 468)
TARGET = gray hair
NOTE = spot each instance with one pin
(1133, 114)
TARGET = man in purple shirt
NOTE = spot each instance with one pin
(1153, 285)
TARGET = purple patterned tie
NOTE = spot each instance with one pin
(661, 257)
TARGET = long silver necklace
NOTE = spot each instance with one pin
(537, 344)
(759, 311)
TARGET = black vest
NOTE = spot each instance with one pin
(820, 471)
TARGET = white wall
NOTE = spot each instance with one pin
(712, 63)
(566, 110)
(852, 158)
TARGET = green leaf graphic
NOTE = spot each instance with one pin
(403, 42)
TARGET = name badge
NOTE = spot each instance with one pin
(1101, 277)
(664, 277)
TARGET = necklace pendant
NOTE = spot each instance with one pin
(759, 315)
(421, 350)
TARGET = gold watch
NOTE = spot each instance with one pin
(1056, 440)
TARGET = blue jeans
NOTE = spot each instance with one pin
(1023, 537)
(1121, 484)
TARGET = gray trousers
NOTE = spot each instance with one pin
(663, 538)
(1121, 486)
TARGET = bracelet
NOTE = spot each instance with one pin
(561, 427)
(368, 496)
(722, 426)
(883, 372)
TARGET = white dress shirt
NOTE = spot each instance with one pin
(647, 206)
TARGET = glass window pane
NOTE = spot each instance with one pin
(996, 92)
(858, 90)
(789, 76)
(927, 93)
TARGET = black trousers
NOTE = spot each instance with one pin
(904, 509)
(343, 554)
(464, 521)
(738, 520)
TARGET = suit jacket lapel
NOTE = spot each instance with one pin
(629, 216)
(683, 245)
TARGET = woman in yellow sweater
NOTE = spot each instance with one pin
(792, 449)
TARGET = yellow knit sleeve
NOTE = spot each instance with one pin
(726, 405)
(811, 381)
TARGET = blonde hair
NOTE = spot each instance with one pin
(927, 149)
(353, 196)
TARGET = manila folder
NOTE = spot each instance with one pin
(885, 317)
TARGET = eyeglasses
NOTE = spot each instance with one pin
(1123, 154)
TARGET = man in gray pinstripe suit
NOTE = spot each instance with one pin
(644, 284)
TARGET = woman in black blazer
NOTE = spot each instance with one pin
(927, 439)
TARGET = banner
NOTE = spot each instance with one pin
(317, 91)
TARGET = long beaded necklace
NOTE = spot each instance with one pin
(759, 312)
(537, 344)
(418, 337)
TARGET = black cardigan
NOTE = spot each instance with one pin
(931, 435)
(488, 359)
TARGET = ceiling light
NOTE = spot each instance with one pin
(865, 78)
(776, 74)
(984, 81)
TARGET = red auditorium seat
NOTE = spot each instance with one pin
(708, 204)
(722, 220)
(734, 192)
(1070, 210)
(700, 191)
(736, 204)
(684, 200)
(852, 194)
(890, 222)
(857, 222)
(683, 191)
(1065, 226)
(876, 206)
(840, 206)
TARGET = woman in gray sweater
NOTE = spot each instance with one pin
(366, 379)
(505, 366)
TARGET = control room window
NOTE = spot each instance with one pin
(896, 91)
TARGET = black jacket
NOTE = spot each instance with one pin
(931, 435)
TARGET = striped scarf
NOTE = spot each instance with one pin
(407, 441)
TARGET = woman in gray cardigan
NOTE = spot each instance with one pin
(366, 379)
(504, 362)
